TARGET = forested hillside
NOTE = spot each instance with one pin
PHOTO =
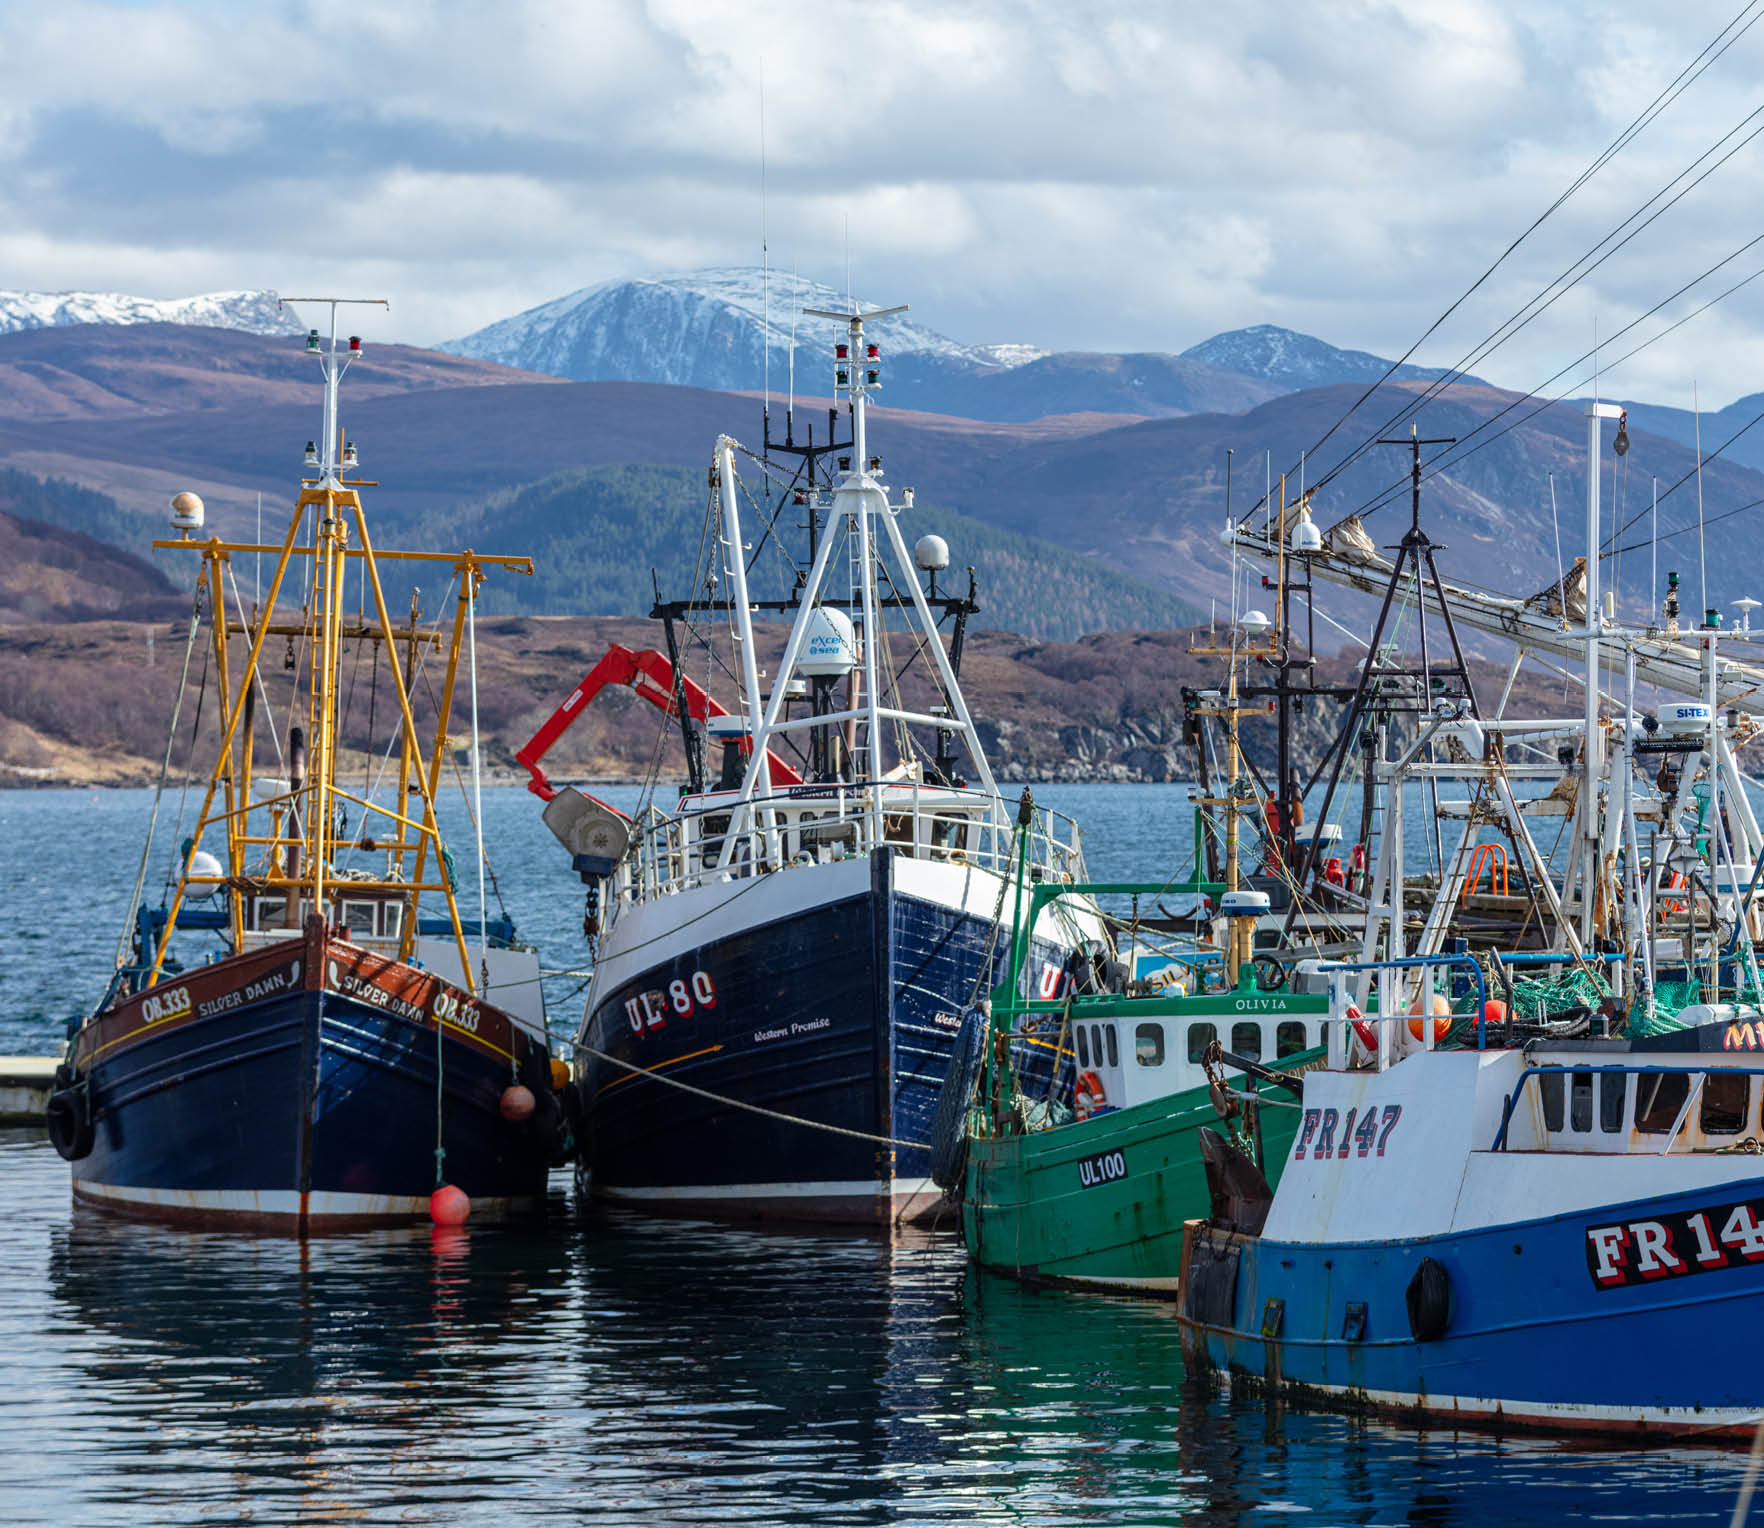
(595, 534)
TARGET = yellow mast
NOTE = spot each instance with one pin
(336, 509)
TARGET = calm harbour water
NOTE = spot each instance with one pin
(613, 1368)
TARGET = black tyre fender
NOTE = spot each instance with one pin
(68, 1116)
(1429, 1300)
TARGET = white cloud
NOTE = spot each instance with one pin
(1101, 175)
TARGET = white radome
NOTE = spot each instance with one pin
(931, 553)
(829, 646)
(187, 511)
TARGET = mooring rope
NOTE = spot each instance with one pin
(736, 1103)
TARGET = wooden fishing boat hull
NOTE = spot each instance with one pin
(296, 1087)
(1102, 1202)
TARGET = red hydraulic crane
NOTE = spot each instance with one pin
(651, 675)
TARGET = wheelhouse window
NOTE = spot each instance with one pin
(1114, 1046)
(270, 912)
(1246, 1041)
(1613, 1095)
(1580, 1102)
(1289, 1038)
(1549, 1087)
(1658, 1098)
(358, 918)
(1081, 1033)
(1200, 1036)
(1725, 1104)
(1148, 1044)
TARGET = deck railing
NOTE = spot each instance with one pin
(676, 850)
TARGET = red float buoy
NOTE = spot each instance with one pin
(517, 1103)
(1493, 1011)
(449, 1206)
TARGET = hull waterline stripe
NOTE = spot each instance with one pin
(736, 1103)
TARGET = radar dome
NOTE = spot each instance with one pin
(829, 647)
(931, 553)
(187, 512)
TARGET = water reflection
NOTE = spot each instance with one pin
(613, 1367)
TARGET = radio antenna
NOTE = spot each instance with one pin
(765, 261)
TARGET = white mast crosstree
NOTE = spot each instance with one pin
(862, 502)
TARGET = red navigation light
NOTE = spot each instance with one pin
(355, 343)
(872, 352)
(841, 352)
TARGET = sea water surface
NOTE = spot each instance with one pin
(598, 1367)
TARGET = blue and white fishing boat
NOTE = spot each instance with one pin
(783, 954)
(1568, 1235)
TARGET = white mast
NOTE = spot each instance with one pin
(862, 501)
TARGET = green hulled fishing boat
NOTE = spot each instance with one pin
(1082, 1150)
(1101, 1200)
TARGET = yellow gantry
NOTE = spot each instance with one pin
(339, 535)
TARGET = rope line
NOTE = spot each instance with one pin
(760, 1109)
(171, 739)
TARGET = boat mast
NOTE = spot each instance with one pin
(336, 509)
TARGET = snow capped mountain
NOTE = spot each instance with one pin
(1297, 361)
(709, 328)
(254, 312)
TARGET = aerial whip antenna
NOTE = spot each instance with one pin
(765, 262)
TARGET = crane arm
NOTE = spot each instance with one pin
(651, 675)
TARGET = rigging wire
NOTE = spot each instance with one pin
(1540, 304)
(1460, 450)
(1749, 14)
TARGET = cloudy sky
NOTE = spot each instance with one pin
(1070, 174)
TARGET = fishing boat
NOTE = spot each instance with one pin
(350, 1053)
(782, 953)
(1561, 1235)
(1085, 1171)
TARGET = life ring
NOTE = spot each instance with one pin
(1088, 1096)
(1368, 1037)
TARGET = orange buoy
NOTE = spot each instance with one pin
(517, 1103)
(560, 1075)
(1494, 1011)
(449, 1206)
(1442, 1023)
